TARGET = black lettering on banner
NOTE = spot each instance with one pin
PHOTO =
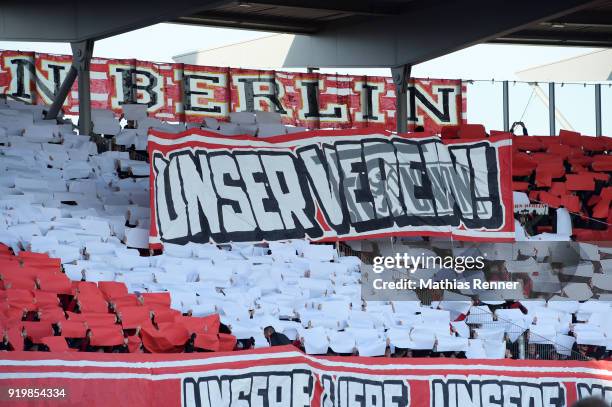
(368, 111)
(250, 95)
(442, 115)
(328, 396)
(57, 78)
(266, 389)
(322, 171)
(478, 393)
(355, 185)
(21, 66)
(224, 197)
(169, 206)
(200, 197)
(594, 390)
(354, 391)
(131, 86)
(188, 92)
(22, 89)
(293, 388)
(312, 96)
(292, 194)
(368, 185)
(485, 195)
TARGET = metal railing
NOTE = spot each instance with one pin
(527, 345)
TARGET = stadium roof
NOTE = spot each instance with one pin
(334, 33)
(591, 26)
(339, 32)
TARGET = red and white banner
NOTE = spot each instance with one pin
(286, 377)
(179, 92)
(327, 185)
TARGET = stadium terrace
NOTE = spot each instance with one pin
(254, 225)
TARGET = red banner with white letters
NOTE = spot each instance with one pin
(286, 377)
(180, 92)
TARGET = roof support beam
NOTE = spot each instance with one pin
(401, 77)
(81, 60)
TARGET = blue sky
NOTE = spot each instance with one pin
(162, 41)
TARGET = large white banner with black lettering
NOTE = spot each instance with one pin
(327, 185)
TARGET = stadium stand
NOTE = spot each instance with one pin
(76, 273)
(570, 172)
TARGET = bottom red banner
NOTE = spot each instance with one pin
(284, 376)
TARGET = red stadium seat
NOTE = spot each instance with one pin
(15, 282)
(15, 338)
(73, 329)
(46, 299)
(534, 196)
(558, 188)
(560, 150)
(449, 132)
(37, 330)
(134, 343)
(208, 324)
(547, 170)
(55, 283)
(170, 337)
(128, 300)
(93, 318)
(570, 138)
(20, 298)
(92, 304)
(472, 131)
(594, 144)
(209, 342)
(133, 317)
(56, 344)
(106, 335)
(164, 315)
(602, 209)
(599, 176)
(52, 315)
(582, 182)
(527, 143)
(157, 299)
(227, 342)
(580, 159)
(571, 202)
(602, 163)
(501, 133)
(522, 165)
(520, 186)
(112, 289)
(550, 199)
